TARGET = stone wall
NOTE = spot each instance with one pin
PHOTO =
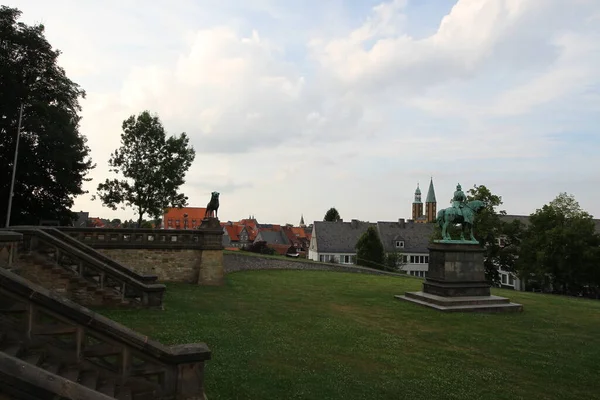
(240, 262)
(59, 280)
(180, 265)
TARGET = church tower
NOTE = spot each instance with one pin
(430, 204)
(417, 205)
(302, 224)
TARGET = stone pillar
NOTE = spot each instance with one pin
(456, 270)
(211, 271)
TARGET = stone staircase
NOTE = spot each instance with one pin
(80, 273)
(53, 348)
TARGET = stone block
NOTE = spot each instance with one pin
(211, 268)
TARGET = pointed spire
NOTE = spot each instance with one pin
(302, 220)
(431, 193)
(417, 195)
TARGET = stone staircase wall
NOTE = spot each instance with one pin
(51, 276)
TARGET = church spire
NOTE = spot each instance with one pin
(430, 204)
(417, 195)
(430, 193)
(302, 224)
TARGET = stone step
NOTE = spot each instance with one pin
(457, 301)
(489, 307)
(89, 378)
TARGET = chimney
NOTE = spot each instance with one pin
(401, 222)
(354, 223)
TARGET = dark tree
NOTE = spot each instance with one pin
(261, 247)
(489, 229)
(332, 215)
(53, 156)
(153, 166)
(369, 250)
(561, 248)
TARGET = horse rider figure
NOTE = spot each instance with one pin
(459, 200)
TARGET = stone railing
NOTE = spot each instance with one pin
(125, 238)
(98, 255)
(33, 317)
(8, 243)
(95, 271)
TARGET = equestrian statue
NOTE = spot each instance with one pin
(461, 212)
(212, 206)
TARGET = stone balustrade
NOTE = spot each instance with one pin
(69, 334)
(127, 238)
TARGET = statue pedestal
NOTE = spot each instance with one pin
(210, 223)
(456, 281)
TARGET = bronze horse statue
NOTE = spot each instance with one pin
(212, 206)
(465, 216)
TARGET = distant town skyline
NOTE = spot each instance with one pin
(350, 108)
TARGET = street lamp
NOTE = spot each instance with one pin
(14, 171)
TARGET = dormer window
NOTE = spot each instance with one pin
(399, 244)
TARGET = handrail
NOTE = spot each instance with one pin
(20, 377)
(105, 259)
(182, 365)
(100, 266)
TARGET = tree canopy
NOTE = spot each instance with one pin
(53, 159)
(489, 228)
(369, 250)
(153, 167)
(332, 215)
(561, 248)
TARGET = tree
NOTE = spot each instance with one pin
(394, 261)
(153, 166)
(561, 248)
(53, 159)
(369, 250)
(332, 215)
(489, 228)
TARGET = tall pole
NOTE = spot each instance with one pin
(14, 171)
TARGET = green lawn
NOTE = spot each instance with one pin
(331, 335)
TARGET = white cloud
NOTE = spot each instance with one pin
(357, 114)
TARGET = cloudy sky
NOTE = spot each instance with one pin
(296, 106)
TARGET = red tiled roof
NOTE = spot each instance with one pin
(280, 249)
(234, 231)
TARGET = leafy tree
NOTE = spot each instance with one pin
(561, 248)
(393, 261)
(489, 228)
(261, 247)
(153, 166)
(332, 215)
(53, 158)
(369, 250)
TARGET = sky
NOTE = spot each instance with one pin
(294, 107)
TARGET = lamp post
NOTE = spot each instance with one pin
(14, 171)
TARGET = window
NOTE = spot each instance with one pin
(347, 259)
(405, 259)
(321, 258)
(426, 259)
(412, 259)
(400, 244)
(421, 259)
(504, 279)
(511, 280)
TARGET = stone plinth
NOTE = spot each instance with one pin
(456, 281)
(211, 268)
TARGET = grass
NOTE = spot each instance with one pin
(331, 335)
